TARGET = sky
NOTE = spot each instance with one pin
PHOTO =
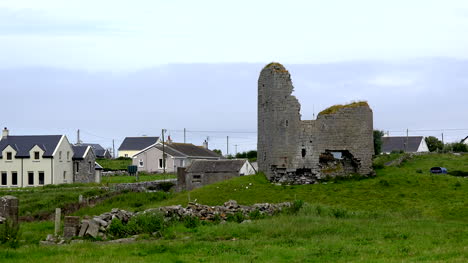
(120, 68)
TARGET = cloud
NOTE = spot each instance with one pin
(30, 22)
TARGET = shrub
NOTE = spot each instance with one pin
(237, 217)
(191, 221)
(118, 229)
(148, 223)
(339, 213)
(9, 234)
(254, 215)
(295, 207)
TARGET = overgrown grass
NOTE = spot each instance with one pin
(403, 214)
(142, 177)
(114, 164)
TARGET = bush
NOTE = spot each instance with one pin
(295, 207)
(148, 223)
(191, 221)
(237, 217)
(339, 213)
(9, 234)
(254, 215)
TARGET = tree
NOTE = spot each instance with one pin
(378, 141)
(434, 144)
(460, 147)
(217, 151)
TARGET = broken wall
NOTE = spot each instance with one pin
(289, 149)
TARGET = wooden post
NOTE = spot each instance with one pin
(57, 221)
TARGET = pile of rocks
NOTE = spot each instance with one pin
(99, 225)
(205, 212)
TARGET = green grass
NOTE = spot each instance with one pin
(114, 164)
(142, 177)
(403, 214)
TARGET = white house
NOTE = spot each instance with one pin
(410, 144)
(177, 155)
(35, 160)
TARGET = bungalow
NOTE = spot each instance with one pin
(35, 160)
(99, 151)
(132, 145)
(177, 155)
(85, 168)
(204, 172)
(409, 144)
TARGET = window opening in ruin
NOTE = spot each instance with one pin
(196, 176)
(264, 156)
(287, 123)
(337, 155)
(303, 152)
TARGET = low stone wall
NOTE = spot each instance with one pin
(9, 209)
(99, 225)
(158, 185)
(112, 173)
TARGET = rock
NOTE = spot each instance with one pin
(100, 221)
(93, 228)
(84, 227)
(50, 238)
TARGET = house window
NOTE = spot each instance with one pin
(68, 156)
(126, 155)
(77, 167)
(60, 155)
(31, 178)
(14, 178)
(196, 178)
(36, 156)
(41, 178)
(9, 156)
(161, 161)
(4, 178)
(140, 163)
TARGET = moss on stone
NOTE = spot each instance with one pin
(336, 108)
(276, 67)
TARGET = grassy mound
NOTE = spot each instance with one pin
(336, 108)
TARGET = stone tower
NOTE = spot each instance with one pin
(338, 143)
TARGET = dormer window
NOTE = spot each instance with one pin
(9, 155)
(36, 156)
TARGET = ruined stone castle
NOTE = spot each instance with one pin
(290, 150)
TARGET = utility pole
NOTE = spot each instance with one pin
(184, 135)
(236, 147)
(442, 138)
(164, 154)
(227, 145)
(113, 149)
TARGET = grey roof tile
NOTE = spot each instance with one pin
(23, 144)
(397, 143)
(137, 143)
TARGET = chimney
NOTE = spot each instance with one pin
(169, 141)
(205, 144)
(5, 133)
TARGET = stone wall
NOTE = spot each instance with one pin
(338, 143)
(9, 209)
(86, 169)
(144, 186)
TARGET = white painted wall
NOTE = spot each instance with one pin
(423, 146)
(62, 162)
(247, 169)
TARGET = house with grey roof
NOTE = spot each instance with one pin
(177, 155)
(132, 145)
(99, 151)
(204, 172)
(85, 168)
(35, 160)
(410, 144)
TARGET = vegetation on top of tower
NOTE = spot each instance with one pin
(276, 67)
(336, 108)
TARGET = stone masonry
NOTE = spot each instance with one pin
(290, 150)
(9, 209)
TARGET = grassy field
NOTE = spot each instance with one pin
(142, 177)
(114, 164)
(403, 214)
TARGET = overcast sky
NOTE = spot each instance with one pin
(120, 68)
